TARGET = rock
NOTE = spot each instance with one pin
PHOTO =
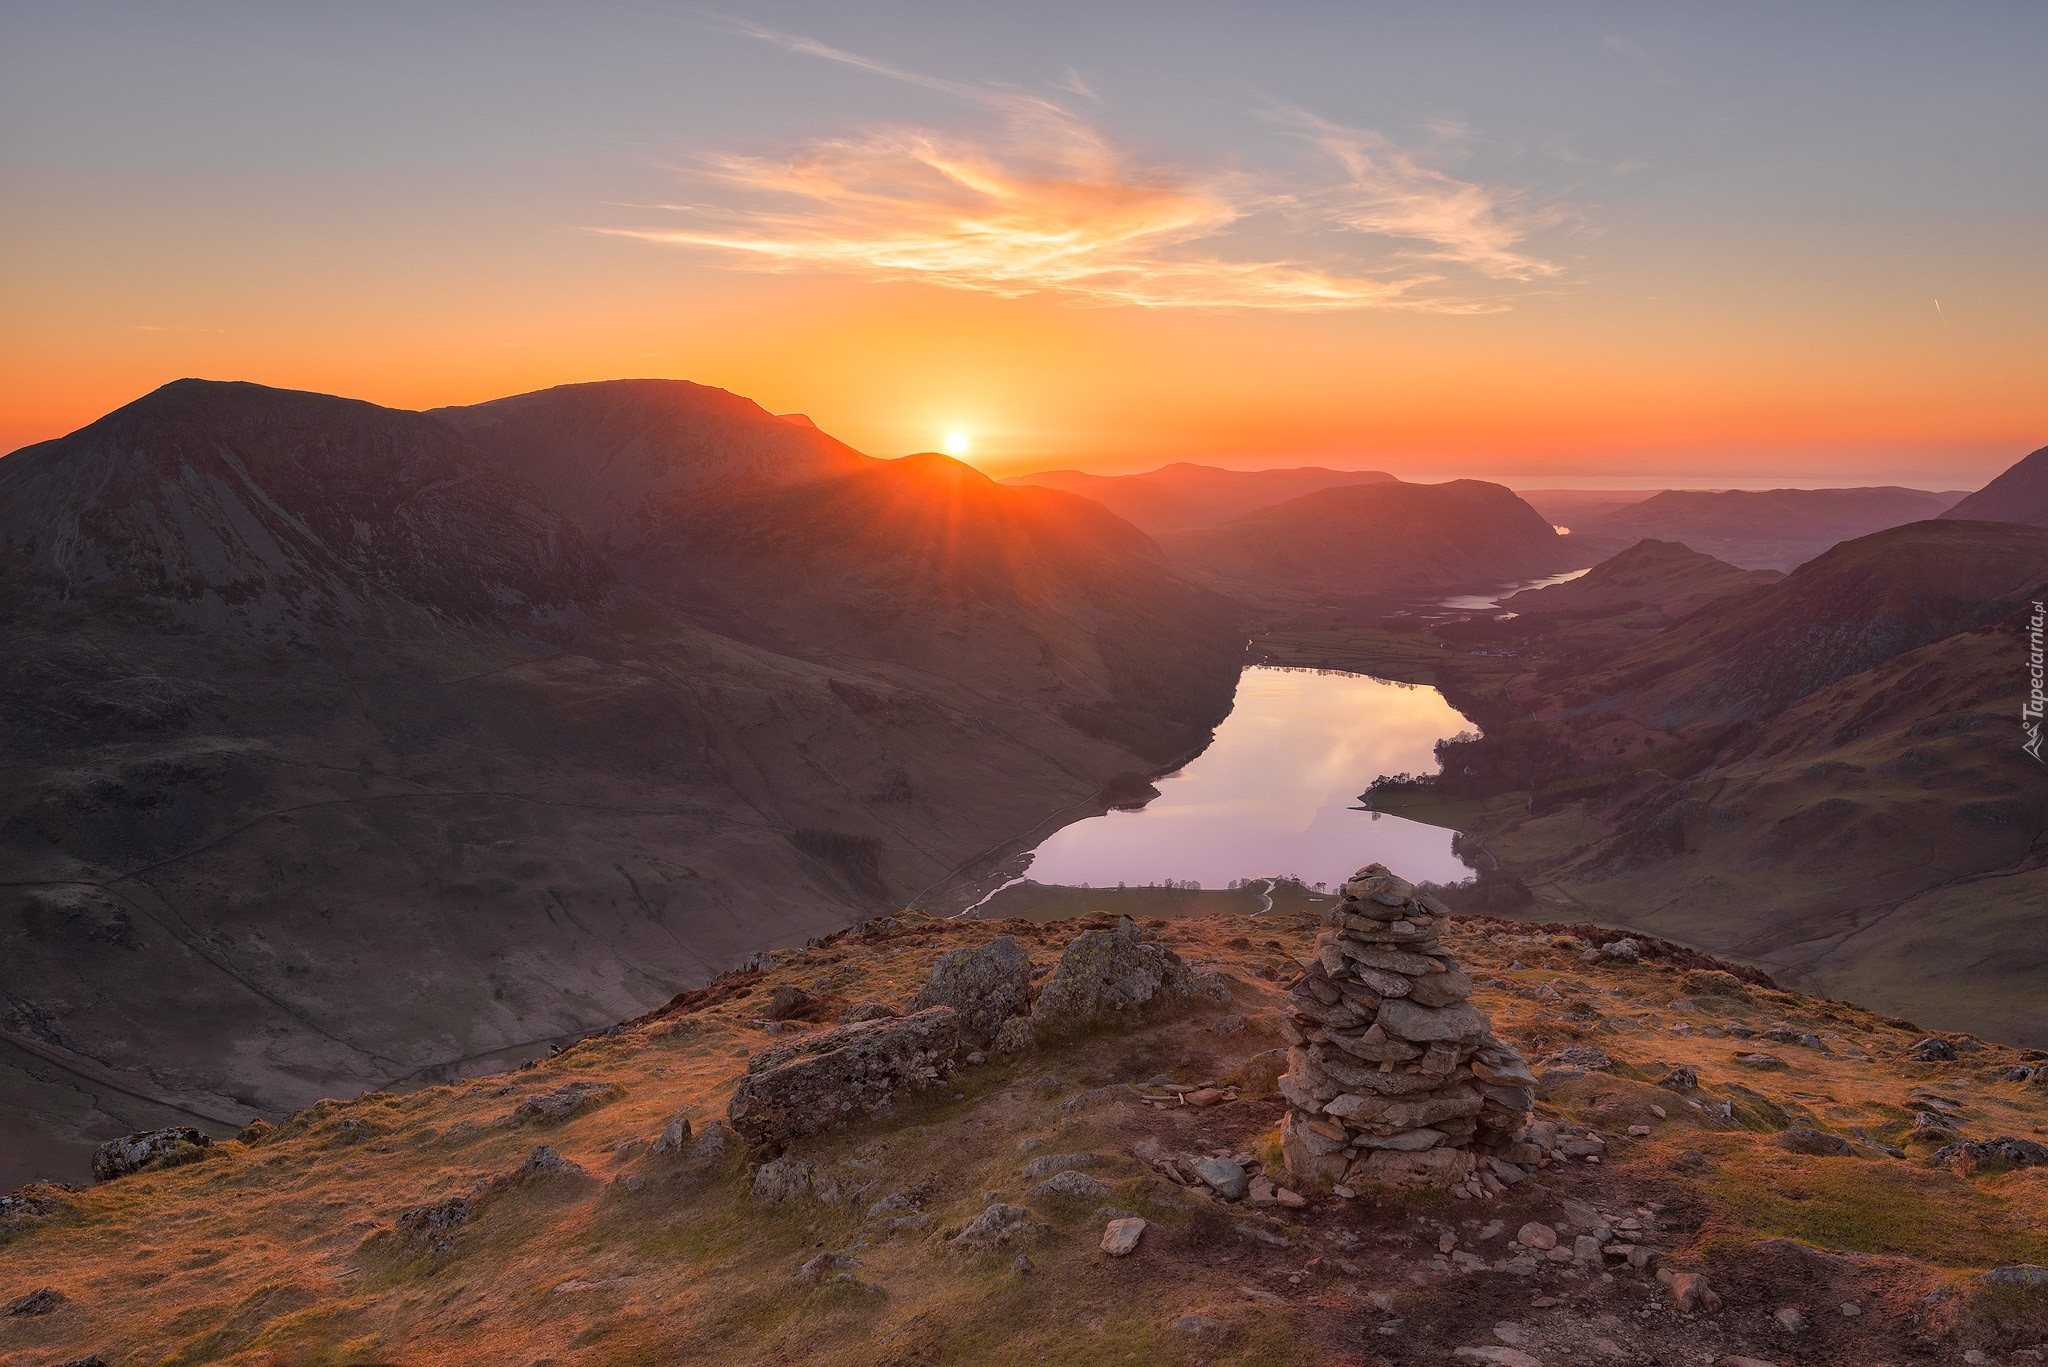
(999, 1224)
(2018, 1274)
(1789, 1320)
(1293, 1200)
(1581, 1058)
(712, 1141)
(545, 1162)
(1109, 973)
(1421, 1024)
(1047, 1164)
(1499, 1357)
(1628, 951)
(1224, 1176)
(1196, 1324)
(867, 1011)
(848, 1073)
(569, 1099)
(1228, 1025)
(1973, 1156)
(1689, 1291)
(786, 1002)
(783, 1180)
(1851, 1310)
(674, 1136)
(150, 1149)
(1536, 1235)
(1021, 1265)
(1071, 1186)
(1933, 1049)
(1682, 1077)
(1800, 1139)
(1761, 1062)
(985, 985)
(443, 1217)
(1712, 982)
(1014, 1036)
(1121, 1236)
(1586, 1249)
(38, 1302)
(825, 1265)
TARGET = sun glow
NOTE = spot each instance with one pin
(957, 443)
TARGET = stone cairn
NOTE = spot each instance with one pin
(1393, 1077)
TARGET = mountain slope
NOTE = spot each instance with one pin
(421, 1228)
(1766, 528)
(339, 757)
(2018, 495)
(1376, 539)
(1662, 578)
(1183, 495)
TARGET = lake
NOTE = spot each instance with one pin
(1276, 792)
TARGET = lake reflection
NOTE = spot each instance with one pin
(1271, 794)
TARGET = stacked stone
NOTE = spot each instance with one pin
(1394, 1078)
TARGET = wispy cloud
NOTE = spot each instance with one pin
(1039, 198)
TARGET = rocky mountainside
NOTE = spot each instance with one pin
(1184, 496)
(1824, 776)
(341, 756)
(1375, 539)
(1658, 579)
(1715, 1171)
(1772, 529)
(2018, 495)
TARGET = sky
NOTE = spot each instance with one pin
(1713, 244)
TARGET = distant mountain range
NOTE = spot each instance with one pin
(1182, 496)
(1660, 578)
(1773, 529)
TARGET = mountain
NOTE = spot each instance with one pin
(597, 1208)
(2018, 495)
(1183, 496)
(1660, 579)
(1769, 528)
(1576, 508)
(338, 755)
(1370, 539)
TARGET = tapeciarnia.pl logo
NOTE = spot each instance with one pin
(2030, 711)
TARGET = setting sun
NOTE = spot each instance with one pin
(956, 443)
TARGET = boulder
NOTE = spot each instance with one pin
(1800, 1139)
(1110, 973)
(985, 985)
(1225, 1177)
(569, 1099)
(674, 1136)
(149, 1149)
(996, 1226)
(1972, 1156)
(38, 1302)
(1120, 1237)
(845, 1074)
(787, 1002)
(1070, 1186)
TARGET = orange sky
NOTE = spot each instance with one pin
(1052, 266)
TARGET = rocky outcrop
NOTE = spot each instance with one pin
(149, 1149)
(849, 1073)
(1394, 1078)
(985, 985)
(1111, 973)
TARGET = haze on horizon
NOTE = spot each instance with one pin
(1736, 245)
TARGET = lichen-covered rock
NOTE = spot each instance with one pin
(784, 1180)
(674, 1136)
(569, 1099)
(38, 1302)
(849, 1073)
(996, 1226)
(1015, 1036)
(985, 985)
(1108, 973)
(1070, 1186)
(1991, 1155)
(148, 1149)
